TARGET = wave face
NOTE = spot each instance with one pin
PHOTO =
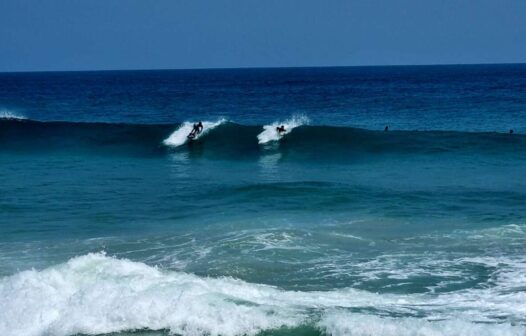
(96, 294)
(231, 140)
(35, 136)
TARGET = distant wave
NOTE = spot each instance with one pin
(230, 140)
(269, 131)
(10, 115)
(97, 294)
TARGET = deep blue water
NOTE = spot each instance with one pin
(111, 221)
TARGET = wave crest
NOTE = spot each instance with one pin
(10, 115)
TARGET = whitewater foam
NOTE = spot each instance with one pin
(6, 114)
(95, 294)
(270, 134)
(180, 135)
(344, 324)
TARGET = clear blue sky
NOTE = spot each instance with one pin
(165, 34)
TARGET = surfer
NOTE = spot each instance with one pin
(280, 129)
(198, 128)
(386, 128)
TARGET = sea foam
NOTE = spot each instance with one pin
(96, 294)
(6, 114)
(345, 324)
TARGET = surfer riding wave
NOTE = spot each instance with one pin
(197, 129)
(277, 130)
(191, 131)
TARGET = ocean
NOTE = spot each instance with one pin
(113, 222)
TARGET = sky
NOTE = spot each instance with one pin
(45, 35)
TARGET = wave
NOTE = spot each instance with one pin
(225, 139)
(269, 131)
(180, 136)
(97, 294)
(9, 115)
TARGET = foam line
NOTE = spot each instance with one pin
(345, 324)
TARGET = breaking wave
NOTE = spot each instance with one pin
(97, 294)
(9, 115)
(231, 140)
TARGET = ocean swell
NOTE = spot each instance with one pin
(230, 140)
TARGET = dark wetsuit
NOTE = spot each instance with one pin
(196, 130)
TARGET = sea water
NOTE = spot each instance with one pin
(113, 222)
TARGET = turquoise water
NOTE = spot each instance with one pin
(111, 223)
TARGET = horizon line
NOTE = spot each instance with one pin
(264, 67)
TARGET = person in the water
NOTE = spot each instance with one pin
(198, 128)
(386, 128)
(280, 129)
